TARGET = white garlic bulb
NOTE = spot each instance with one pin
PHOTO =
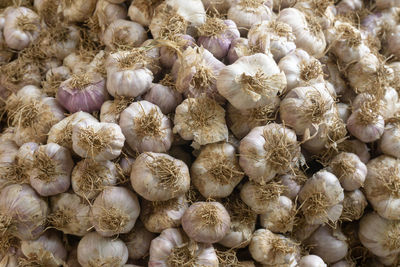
(301, 69)
(96, 250)
(333, 74)
(108, 12)
(279, 218)
(350, 170)
(273, 249)
(206, 222)
(267, 151)
(252, 81)
(347, 6)
(321, 198)
(344, 111)
(124, 34)
(114, 211)
(138, 241)
(51, 169)
(216, 171)
(160, 215)
(311, 261)
(388, 142)
(97, 140)
(201, 120)
(159, 177)
(141, 11)
(379, 235)
(111, 109)
(77, 10)
(146, 128)
(292, 183)
(173, 248)
(62, 41)
(90, 177)
(69, 214)
(166, 97)
(354, 204)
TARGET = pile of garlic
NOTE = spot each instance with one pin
(199, 133)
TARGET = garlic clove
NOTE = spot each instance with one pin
(123, 34)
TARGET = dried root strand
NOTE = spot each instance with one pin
(223, 170)
(213, 27)
(281, 246)
(250, 5)
(112, 218)
(316, 206)
(80, 81)
(313, 25)
(347, 32)
(167, 172)
(174, 24)
(391, 239)
(61, 218)
(149, 124)
(315, 107)
(95, 142)
(193, 195)
(6, 230)
(262, 115)
(204, 78)
(280, 28)
(109, 261)
(25, 23)
(51, 85)
(183, 255)
(46, 167)
(15, 173)
(320, 6)
(259, 83)
(369, 111)
(120, 104)
(136, 58)
(202, 112)
(311, 70)
(343, 167)
(91, 180)
(227, 257)
(389, 181)
(208, 214)
(269, 192)
(239, 211)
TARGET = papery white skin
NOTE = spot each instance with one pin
(126, 164)
(354, 204)
(379, 235)
(62, 48)
(106, 172)
(245, 15)
(382, 171)
(239, 48)
(77, 11)
(327, 184)
(149, 184)
(191, 10)
(344, 111)
(25, 153)
(280, 216)
(262, 249)
(329, 244)
(60, 73)
(209, 184)
(347, 6)
(107, 151)
(390, 102)
(241, 96)
(365, 133)
(109, 112)
(295, 66)
(282, 4)
(27, 210)
(8, 160)
(15, 35)
(169, 56)
(292, 186)
(383, 4)
(76, 207)
(311, 41)
(94, 249)
(211, 131)
(75, 63)
(108, 12)
(199, 230)
(9, 260)
(162, 215)
(162, 246)
(129, 32)
(138, 241)
(115, 198)
(141, 11)
(166, 98)
(304, 230)
(157, 142)
(48, 248)
(388, 143)
(323, 15)
(59, 157)
(253, 152)
(311, 261)
(333, 75)
(61, 132)
(357, 147)
(350, 170)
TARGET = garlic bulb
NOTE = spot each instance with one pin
(160, 215)
(350, 170)
(322, 11)
(347, 6)
(159, 177)
(21, 27)
(114, 211)
(379, 235)
(333, 75)
(344, 111)
(206, 222)
(61, 132)
(22, 213)
(279, 217)
(216, 171)
(99, 141)
(304, 108)
(311, 261)
(141, 11)
(357, 147)
(138, 241)
(90, 177)
(111, 109)
(251, 81)
(108, 12)
(69, 214)
(11, 170)
(77, 62)
(124, 34)
(96, 250)
(247, 13)
(267, 151)
(328, 243)
(388, 143)
(201, 120)
(217, 6)
(216, 36)
(239, 48)
(172, 248)
(380, 186)
(196, 73)
(164, 96)
(47, 250)
(301, 69)
(354, 204)
(54, 77)
(60, 41)
(78, 10)
(241, 122)
(146, 128)
(307, 30)
(273, 249)
(180, 15)
(302, 229)
(174, 43)
(243, 223)
(321, 198)
(51, 170)
(273, 37)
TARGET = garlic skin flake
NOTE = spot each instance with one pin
(252, 81)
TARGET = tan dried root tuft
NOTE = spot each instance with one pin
(193, 195)
(109, 261)
(166, 171)
(45, 166)
(389, 181)
(174, 24)
(347, 32)
(94, 142)
(313, 25)
(280, 28)
(239, 211)
(280, 246)
(136, 58)
(111, 219)
(25, 23)
(250, 5)
(316, 205)
(337, 135)
(208, 214)
(183, 255)
(51, 85)
(351, 211)
(204, 78)
(168, 81)
(262, 115)
(320, 6)
(369, 111)
(149, 124)
(213, 27)
(61, 218)
(202, 112)
(391, 239)
(119, 104)
(343, 167)
(269, 192)
(259, 83)
(311, 70)
(80, 81)
(119, 39)
(6, 229)
(91, 178)
(223, 170)
(15, 173)
(227, 257)
(315, 107)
